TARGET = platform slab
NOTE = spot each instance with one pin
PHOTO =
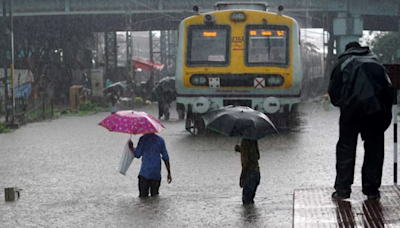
(315, 208)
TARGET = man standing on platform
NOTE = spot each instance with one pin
(360, 86)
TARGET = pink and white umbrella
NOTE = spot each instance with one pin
(132, 122)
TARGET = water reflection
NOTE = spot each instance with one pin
(145, 209)
(344, 214)
(373, 213)
(250, 214)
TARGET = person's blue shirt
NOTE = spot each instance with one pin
(151, 147)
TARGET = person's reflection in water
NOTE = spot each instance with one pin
(148, 211)
(344, 214)
(373, 214)
(250, 214)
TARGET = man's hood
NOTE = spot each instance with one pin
(356, 51)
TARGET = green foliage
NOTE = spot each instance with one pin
(88, 107)
(385, 46)
(34, 116)
(4, 128)
(139, 101)
(37, 115)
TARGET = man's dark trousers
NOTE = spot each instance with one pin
(372, 133)
(146, 184)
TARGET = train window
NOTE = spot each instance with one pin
(267, 45)
(208, 45)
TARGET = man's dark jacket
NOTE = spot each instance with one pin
(360, 86)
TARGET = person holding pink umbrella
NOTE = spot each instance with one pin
(150, 147)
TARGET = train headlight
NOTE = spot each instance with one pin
(198, 80)
(209, 19)
(238, 16)
(275, 80)
(195, 80)
(202, 80)
(201, 105)
(271, 105)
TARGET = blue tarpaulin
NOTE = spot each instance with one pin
(22, 91)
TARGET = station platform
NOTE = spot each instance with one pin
(315, 208)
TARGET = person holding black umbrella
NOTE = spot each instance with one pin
(165, 98)
(114, 100)
(250, 125)
(250, 175)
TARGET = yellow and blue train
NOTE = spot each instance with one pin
(239, 54)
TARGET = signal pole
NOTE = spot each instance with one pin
(8, 57)
(12, 62)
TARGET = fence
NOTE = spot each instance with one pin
(39, 108)
(29, 109)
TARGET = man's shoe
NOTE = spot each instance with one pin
(374, 197)
(337, 196)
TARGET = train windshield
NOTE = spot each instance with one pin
(208, 45)
(267, 45)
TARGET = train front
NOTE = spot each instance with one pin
(237, 57)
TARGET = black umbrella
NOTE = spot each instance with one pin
(239, 121)
(166, 84)
(116, 87)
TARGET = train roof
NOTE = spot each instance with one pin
(262, 6)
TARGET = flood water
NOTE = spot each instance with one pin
(67, 170)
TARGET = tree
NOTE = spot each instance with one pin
(386, 46)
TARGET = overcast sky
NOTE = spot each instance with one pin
(315, 36)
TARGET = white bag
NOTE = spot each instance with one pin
(126, 159)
